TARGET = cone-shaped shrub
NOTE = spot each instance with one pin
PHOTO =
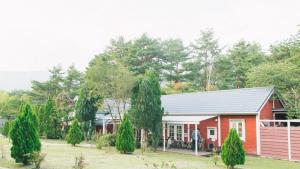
(24, 135)
(75, 135)
(233, 152)
(125, 136)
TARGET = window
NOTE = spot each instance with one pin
(211, 133)
(176, 132)
(239, 125)
(171, 131)
(179, 133)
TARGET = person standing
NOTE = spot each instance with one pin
(194, 135)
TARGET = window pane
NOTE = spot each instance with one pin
(179, 133)
(212, 132)
(171, 128)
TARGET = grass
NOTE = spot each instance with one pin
(62, 156)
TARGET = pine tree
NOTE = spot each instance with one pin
(75, 135)
(52, 120)
(125, 138)
(146, 111)
(24, 135)
(233, 152)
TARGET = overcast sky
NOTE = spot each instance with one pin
(37, 34)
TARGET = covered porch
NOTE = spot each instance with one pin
(182, 134)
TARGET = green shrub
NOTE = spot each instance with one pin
(24, 136)
(233, 152)
(125, 138)
(6, 128)
(74, 135)
(105, 140)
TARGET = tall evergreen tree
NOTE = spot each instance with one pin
(125, 136)
(200, 68)
(175, 55)
(52, 120)
(24, 135)
(233, 67)
(146, 111)
(146, 55)
(86, 108)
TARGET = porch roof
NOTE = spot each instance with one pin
(185, 119)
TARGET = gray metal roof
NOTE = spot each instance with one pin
(235, 101)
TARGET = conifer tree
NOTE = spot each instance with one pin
(75, 135)
(125, 138)
(24, 135)
(52, 120)
(233, 152)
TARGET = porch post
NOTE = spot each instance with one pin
(188, 133)
(219, 131)
(103, 126)
(196, 139)
(164, 133)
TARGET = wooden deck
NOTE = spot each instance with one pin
(189, 152)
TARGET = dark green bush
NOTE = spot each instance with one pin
(233, 152)
(24, 136)
(125, 138)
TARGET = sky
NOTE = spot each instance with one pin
(36, 35)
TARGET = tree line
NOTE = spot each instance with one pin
(111, 77)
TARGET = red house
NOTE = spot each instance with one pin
(213, 113)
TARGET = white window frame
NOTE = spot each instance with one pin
(212, 136)
(175, 131)
(231, 121)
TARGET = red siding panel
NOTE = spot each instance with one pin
(295, 143)
(274, 142)
(266, 112)
(250, 129)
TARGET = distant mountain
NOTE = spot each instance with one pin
(20, 80)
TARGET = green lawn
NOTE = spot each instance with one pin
(61, 156)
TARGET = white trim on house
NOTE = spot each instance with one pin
(213, 137)
(219, 131)
(258, 148)
(243, 127)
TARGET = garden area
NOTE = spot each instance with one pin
(60, 155)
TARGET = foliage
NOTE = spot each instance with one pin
(146, 111)
(179, 87)
(10, 102)
(74, 134)
(36, 158)
(24, 135)
(52, 120)
(80, 162)
(233, 152)
(105, 140)
(86, 108)
(175, 53)
(204, 52)
(6, 128)
(233, 67)
(125, 141)
(108, 78)
(146, 55)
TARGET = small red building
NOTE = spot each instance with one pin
(213, 113)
